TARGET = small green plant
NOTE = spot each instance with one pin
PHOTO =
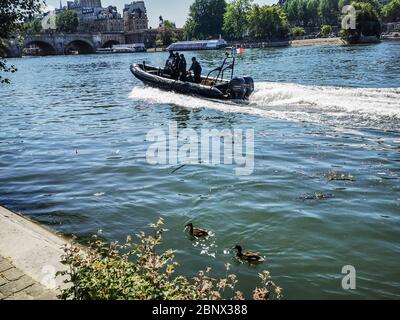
(298, 31)
(104, 272)
(326, 30)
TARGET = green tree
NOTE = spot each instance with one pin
(312, 11)
(329, 11)
(67, 21)
(374, 3)
(391, 12)
(367, 21)
(302, 12)
(290, 8)
(35, 26)
(235, 18)
(205, 19)
(268, 22)
(12, 13)
(326, 30)
(343, 3)
(167, 35)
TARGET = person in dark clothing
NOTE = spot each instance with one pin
(175, 67)
(170, 59)
(170, 63)
(182, 68)
(196, 68)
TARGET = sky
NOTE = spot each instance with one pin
(173, 10)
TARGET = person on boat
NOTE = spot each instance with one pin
(170, 63)
(170, 59)
(175, 68)
(182, 68)
(196, 68)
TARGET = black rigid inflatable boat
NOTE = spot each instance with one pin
(236, 89)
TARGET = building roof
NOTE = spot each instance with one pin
(135, 6)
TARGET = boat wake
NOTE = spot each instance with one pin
(373, 108)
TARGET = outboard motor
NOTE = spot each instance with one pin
(249, 86)
(237, 88)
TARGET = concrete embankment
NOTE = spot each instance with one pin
(294, 43)
(317, 42)
(32, 251)
(278, 44)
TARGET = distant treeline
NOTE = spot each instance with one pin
(314, 13)
(241, 19)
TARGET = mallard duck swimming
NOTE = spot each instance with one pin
(195, 232)
(247, 256)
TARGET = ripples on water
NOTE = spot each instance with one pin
(72, 155)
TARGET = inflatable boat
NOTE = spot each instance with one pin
(236, 89)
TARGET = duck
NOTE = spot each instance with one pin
(196, 232)
(247, 256)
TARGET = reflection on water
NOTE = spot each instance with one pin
(73, 156)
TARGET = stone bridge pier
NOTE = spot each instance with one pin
(59, 43)
(63, 43)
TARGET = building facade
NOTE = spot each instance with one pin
(93, 17)
(91, 3)
(79, 4)
(135, 17)
(133, 24)
(101, 20)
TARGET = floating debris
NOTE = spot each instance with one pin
(317, 196)
(176, 169)
(334, 176)
(99, 194)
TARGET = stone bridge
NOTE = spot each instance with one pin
(64, 43)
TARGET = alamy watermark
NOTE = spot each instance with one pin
(210, 147)
(349, 18)
(349, 281)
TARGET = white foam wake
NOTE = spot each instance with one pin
(355, 107)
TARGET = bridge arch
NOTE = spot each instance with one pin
(39, 47)
(110, 43)
(80, 47)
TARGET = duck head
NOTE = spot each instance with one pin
(189, 225)
(238, 248)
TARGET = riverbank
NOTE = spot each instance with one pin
(294, 43)
(317, 42)
(277, 44)
(29, 258)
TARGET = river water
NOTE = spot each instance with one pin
(73, 156)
